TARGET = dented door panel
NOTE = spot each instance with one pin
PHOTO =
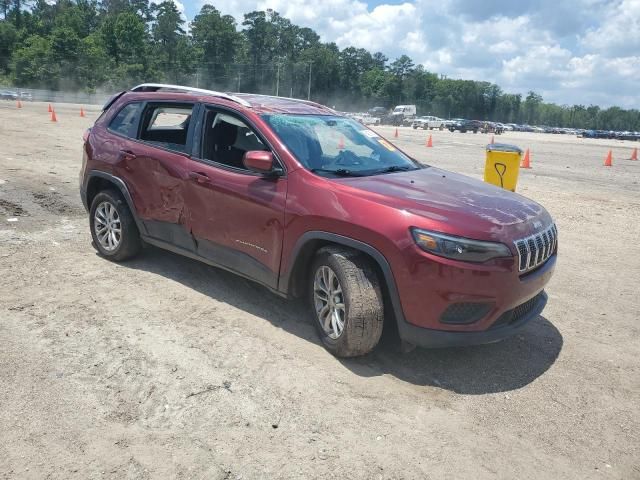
(157, 179)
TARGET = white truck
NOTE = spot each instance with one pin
(402, 115)
(429, 122)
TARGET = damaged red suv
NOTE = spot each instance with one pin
(310, 203)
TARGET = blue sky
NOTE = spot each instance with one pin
(570, 51)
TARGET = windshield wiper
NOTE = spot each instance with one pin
(395, 168)
(340, 172)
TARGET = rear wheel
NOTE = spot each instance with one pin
(113, 229)
(346, 302)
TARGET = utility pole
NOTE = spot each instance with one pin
(278, 80)
(309, 87)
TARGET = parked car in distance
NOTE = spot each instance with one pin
(367, 119)
(26, 96)
(401, 115)
(429, 122)
(312, 204)
(378, 111)
(464, 126)
(492, 127)
(8, 95)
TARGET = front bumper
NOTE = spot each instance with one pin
(430, 338)
(431, 286)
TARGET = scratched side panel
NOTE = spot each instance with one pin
(237, 220)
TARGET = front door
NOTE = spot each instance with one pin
(236, 216)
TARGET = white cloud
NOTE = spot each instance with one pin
(578, 51)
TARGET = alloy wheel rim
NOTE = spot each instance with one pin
(329, 302)
(107, 226)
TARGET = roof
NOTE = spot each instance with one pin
(272, 104)
(258, 103)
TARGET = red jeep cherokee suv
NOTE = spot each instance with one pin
(309, 203)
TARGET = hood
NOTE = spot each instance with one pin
(455, 204)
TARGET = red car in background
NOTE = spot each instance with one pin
(310, 203)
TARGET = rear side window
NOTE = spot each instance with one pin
(126, 121)
(167, 125)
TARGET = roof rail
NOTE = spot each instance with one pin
(154, 87)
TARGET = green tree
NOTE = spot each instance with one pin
(8, 40)
(217, 43)
(170, 42)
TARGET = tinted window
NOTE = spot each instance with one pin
(227, 139)
(167, 125)
(126, 121)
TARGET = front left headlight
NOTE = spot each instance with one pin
(459, 248)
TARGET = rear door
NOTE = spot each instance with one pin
(155, 166)
(235, 216)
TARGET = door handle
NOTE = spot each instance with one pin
(199, 177)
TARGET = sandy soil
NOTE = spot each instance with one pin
(166, 368)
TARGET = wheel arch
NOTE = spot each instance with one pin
(98, 181)
(303, 253)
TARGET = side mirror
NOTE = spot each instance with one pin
(258, 161)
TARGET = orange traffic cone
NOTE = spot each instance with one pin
(81, 112)
(493, 139)
(430, 142)
(608, 161)
(526, 161)
(395, 135)
(53, 116)
(341, 143)
(634, 154)
(19, 104)
(50, 109)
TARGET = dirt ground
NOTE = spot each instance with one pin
(166, 368)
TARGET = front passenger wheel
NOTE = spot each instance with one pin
(113, 229)
(346, 302)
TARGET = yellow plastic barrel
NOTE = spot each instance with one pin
(502, 165)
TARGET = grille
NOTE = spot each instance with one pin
(517, 313)
(533, 251)
(465, 313)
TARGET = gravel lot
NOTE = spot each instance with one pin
(166, 368)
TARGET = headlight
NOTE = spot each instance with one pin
(458, 248)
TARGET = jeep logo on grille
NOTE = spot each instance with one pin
(537, 224)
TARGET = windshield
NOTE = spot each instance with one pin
(338, 146)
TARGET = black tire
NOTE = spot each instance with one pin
(130, 243)
(362, 298)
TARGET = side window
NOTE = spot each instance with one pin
(167, 125)
(126, 121)
(226, 139)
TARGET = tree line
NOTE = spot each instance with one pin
(109, 45)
